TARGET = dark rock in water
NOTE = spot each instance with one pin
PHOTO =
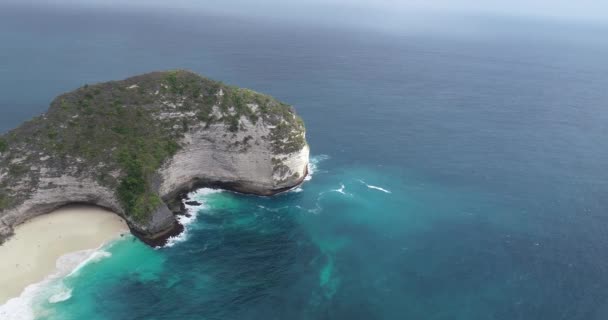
(134, 146)
(193, 203)
(183, 213)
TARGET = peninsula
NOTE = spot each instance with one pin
(135, 146)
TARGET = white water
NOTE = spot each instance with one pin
(341, 189)
(187, 220)
(52, 287)
(375, 187)
(62, 295)
(94, 256)
(201, 194)
(313, 164)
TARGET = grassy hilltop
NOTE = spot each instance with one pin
(121, 132)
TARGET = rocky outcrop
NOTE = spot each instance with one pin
(209, 157)
(134, 146)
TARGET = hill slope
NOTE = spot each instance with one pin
(134, 145)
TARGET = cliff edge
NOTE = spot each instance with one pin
(134, 146)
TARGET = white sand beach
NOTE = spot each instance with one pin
(31, 254)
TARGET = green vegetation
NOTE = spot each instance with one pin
(105, 125)
(4, 201)
(121, 132)
(134, 191)
(126, 137)
(174, 86)
(139, 157)
(17, 169)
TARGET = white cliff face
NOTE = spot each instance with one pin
(219, 135)
(215, 155)
(53, 192)
(208, 155)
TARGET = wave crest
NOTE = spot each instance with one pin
(375, 187)
(200, 196)
(64, 294)
(51, 288)
(313, 165)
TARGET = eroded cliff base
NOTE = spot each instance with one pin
(133, 146)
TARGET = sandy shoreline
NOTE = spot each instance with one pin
(31, 254)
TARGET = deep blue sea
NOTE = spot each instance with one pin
(455, 176)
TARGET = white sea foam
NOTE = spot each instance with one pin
(174, 240)
(192, 212)
(295, 189)
(375, 187)
(313, 165)
(317, 209)
(342, 190)
(199, 194)
(378, 188)
(51, 288)
(20, 308)
(185, 221)
(273, 209)
(62, 295)
(311, 170)
(92, 256)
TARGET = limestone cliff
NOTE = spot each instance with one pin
(134, 145)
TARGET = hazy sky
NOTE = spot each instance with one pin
(586, 10)
(446, 16)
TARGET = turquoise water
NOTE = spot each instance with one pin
(349, 243)
(352, 243)
(458, 176)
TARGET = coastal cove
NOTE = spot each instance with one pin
(453, 173)
(39, 243)
(134, 146)
(155, 138)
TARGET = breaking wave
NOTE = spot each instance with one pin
(313, 165)
(342, 190)
(200, 196)
(52, 288)
(375, 187)
(64, 294)
(189, 218)
(93, 256)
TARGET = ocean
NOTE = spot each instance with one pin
(454, 176)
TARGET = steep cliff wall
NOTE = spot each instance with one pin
(133, 146)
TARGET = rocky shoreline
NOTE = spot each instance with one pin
(137, 146)
(180, 209)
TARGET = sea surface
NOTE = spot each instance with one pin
(454, 176)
